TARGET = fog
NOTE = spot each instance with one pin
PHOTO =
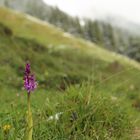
(127, 9)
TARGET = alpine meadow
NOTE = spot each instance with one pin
(56, 85)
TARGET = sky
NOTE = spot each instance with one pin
(128, 9)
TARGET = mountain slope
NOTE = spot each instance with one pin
(76, 57)
(29, 27)
(111, 34)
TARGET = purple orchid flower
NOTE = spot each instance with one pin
(30, 83)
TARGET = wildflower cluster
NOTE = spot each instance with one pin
(6, 127)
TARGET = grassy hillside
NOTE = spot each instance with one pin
(74, 76)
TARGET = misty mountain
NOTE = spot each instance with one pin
(113, 33)
(123, 23)
(35, 7)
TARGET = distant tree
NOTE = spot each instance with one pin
(133, 50)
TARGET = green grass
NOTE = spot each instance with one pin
(86, 115)
(106, 106)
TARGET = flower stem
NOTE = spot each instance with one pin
(29, 129)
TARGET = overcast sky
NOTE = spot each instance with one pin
(129, 9)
